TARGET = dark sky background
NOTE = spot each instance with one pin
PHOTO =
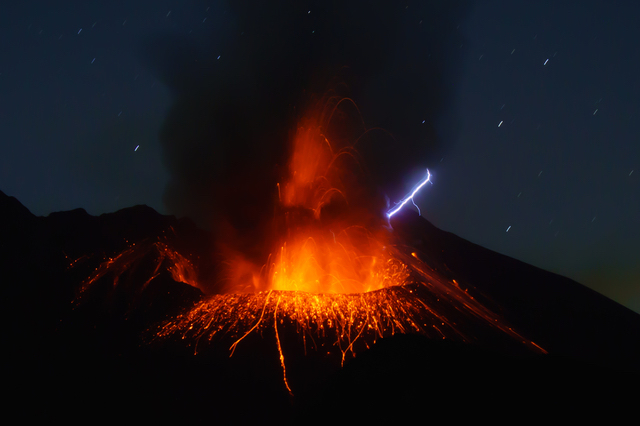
(526, 113)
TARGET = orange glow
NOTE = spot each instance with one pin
(155, 254)
(350, 262)
(426, 303)
(326, 239)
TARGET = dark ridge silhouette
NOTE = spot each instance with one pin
(95, 359)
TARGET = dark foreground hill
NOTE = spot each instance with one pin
(88, 362)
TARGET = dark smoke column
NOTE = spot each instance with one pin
(240, 91)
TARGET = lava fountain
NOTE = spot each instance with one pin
(337, 277)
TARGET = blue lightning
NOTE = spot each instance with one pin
(410, 197)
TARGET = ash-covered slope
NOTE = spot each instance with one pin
(96, 351)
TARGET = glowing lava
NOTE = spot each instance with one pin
(423, 302)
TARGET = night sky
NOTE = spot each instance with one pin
(527, 113)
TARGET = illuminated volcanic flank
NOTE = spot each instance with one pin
(338, 276)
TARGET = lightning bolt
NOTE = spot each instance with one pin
(410, 197)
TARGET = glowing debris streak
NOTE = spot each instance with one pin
(158, 255)
(415, 298)
(332, 320)
(410, 197)
(275, 327)
(427, 303)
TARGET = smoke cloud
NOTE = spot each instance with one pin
(240, 90)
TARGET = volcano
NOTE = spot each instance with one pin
(106, 317)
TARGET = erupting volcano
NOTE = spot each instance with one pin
(298, 153)
(337, 277)
(342, 302)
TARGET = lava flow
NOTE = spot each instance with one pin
(337, 274)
